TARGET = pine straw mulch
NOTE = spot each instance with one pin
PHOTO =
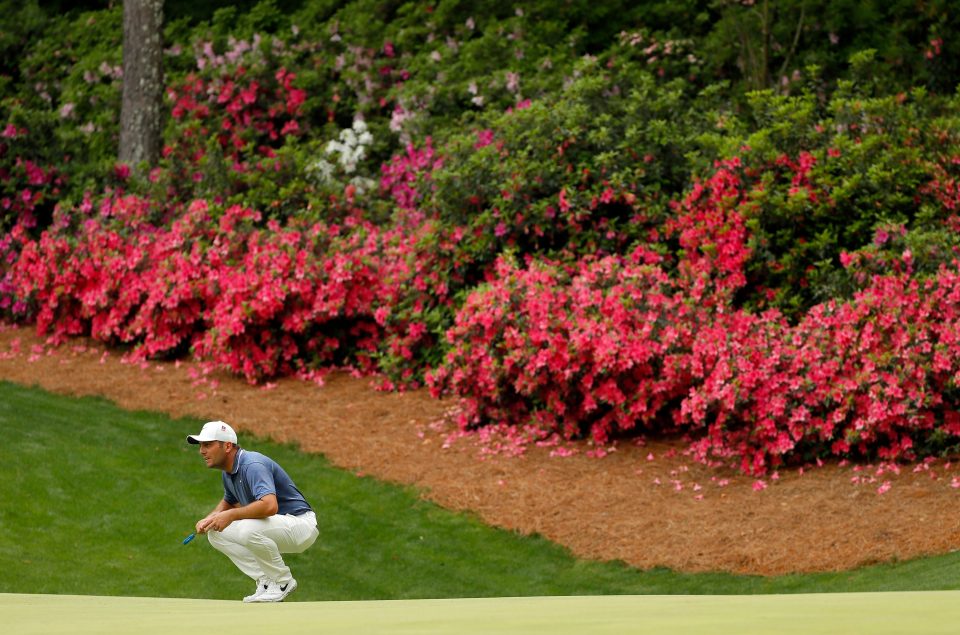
(648, 506)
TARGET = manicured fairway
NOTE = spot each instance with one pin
(929, 613)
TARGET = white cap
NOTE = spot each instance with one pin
(214, 431)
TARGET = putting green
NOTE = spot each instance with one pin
(848, 613)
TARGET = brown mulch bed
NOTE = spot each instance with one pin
(648, 506)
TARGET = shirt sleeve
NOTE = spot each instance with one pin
(259, 480)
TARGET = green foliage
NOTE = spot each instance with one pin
(828, 172)
(66, 95)
(20, 24)
(590, 170)
(767, 43)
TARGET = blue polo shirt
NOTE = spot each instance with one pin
(254, 476)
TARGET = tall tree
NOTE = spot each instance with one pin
(140, 120)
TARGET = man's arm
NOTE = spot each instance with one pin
(224, 513)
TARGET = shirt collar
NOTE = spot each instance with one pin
(236, 462)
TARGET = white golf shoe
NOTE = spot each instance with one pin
(262, 585)
(275, 592)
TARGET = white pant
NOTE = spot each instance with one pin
(255, 544)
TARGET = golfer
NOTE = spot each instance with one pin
(262, 513)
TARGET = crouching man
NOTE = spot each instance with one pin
(262, 513)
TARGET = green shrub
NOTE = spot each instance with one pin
(589, 170)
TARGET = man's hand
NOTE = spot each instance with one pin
(224, 514)
(217, 521)
(204, 524)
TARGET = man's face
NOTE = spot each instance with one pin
(214, 453)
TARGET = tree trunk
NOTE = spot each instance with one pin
(140, 120)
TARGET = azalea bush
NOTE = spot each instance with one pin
(874, 377)
(821, 176)
(590, 352)
(29, 190)
(255, 296)
(599, 347)
(260, 303)
(228, 120)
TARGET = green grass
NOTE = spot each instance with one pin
(96, 501)
(929, 613)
